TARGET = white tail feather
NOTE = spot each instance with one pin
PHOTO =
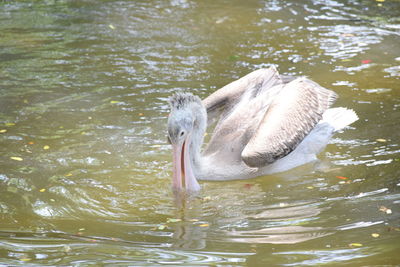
(339, 118)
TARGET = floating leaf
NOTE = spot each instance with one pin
(3, 131)
(204, 225)
(381, 140)
(385, 210)
(366, 61)
(310, 187)
(161, 227)
(171, 220)
(342, 177)
(111, 27)
(380, 0)
(248, 186)
(81, 229)
(140, 114)
(68, 174)
(25, 259)
(114, 102)
(46, 147)
(156, 146)
(31, 143)
(17, 158)
(220, 20)
(67, 248)
(234, 57)
(355, 245)
(42, 190)
(375, 235)
(9, 124)
(207, 198)
(193, 220)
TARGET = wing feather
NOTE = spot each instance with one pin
(225, 98)
(230, 105)
(290, 117)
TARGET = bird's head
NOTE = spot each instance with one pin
(182, 122)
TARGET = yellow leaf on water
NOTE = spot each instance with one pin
(67, 248)
(375, 235)
(385, 210)
(17, 158)
(207, 198)
(355, 245)
(10, 124)
(380, 0)
(204, 225)
(310, 187)
(114, 102)
(25, 259)
(68, 174)
(172, 220)
(42, 190)
(381, 140)
(111, 27)
(3, 131)
(46, 147)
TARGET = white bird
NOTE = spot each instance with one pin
(266, 123)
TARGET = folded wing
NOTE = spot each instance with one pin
(290, 117)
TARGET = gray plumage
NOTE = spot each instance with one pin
(266, 115)
(265, 123)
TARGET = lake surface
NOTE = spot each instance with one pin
(85, 167)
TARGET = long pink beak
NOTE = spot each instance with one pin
(183, 176)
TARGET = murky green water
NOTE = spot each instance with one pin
(85, 169)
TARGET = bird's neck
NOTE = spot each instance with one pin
(197, 136)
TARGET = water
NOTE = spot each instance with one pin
(85, 169)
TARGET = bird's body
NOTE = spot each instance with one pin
(266, 123)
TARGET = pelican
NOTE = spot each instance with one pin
(266, 123)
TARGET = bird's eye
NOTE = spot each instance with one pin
(182, 133)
